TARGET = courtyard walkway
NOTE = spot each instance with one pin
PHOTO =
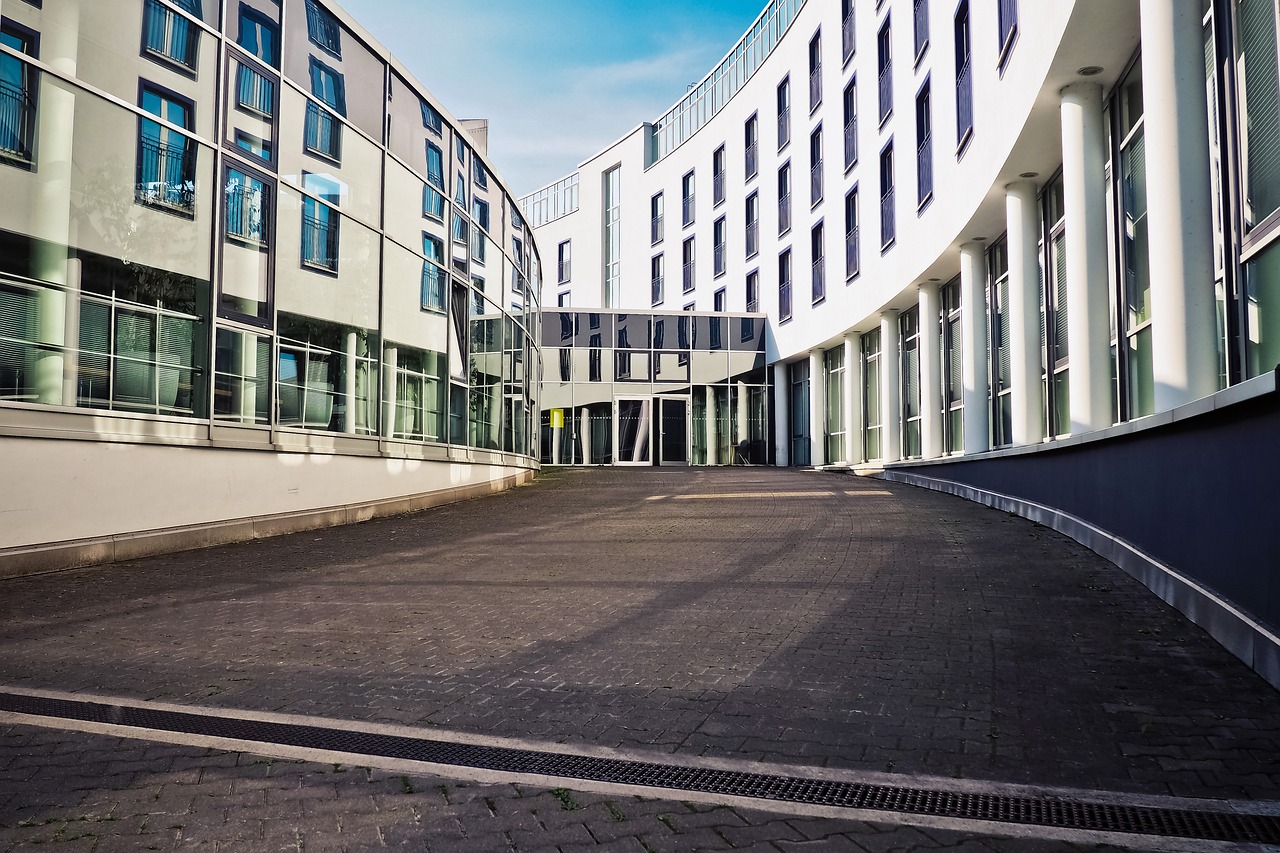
(469, 677)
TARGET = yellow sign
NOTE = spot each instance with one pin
(557, 418)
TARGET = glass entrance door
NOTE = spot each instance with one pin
(633, 432)
(673, 430)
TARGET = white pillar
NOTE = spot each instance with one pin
(1184, 350)
(890, 393)
(781, 414)
(817, 410)
(973, 327)
(852, 399)
(1023, 224)
(584, 435)
(713, 436)
(1084, 193)
(930, 372)
(349, 385)
(390, 364)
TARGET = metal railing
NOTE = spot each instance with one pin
(170, 35)
(717, 187)
(886, 90)
(254, 92)
(851, 142)
(320, 242)
(244, 214)
(887, 219)
(819, 279)
(655, 229)
(815, 182)
(921, 16)
(751, 162)
(687, 208)
(847, 33)
(852, 264)
(784, 127)
(784, 213)
(17, 121)
(323, 132)
(964, 102)
(924, 169)
(433, 279)
(322, 28)
(166, 174)
(753, 238)
(815, 88)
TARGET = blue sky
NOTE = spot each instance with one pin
(557, 79)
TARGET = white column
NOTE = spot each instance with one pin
(852, 399)
(349, 385)
(817, 410)
(1084, 193)
(781, 415)
(390, 364)
(1023, 223)
(973, 329)
(890, 393)
(584, 435)
(1184, 351)
(930, 372)
(713, 432)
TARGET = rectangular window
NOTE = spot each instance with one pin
(871, 395)
(687, 199)
(431, 119)
(259, 35)
(246, 209)
(612, 215)
(920, 18)
(655, 279)
(815, 72)
(717, 177)
(952, 369)
(753, 224)
(817, 242)
(1007, 17)
(784, 113)
(433, 191)
(848, 40)
(254, 92)
(329, 86)
(834, 369)
(784, 199)
(166, 158)
(170, 36)
(815, 166)
(851, 124)
(688, 258)
(784, 286)
(964, 77)
(323, 132)
(718, 247)
(909, 382)
(323, 29)
(564, 262)
(852, 254)
(884, 70)
(433, 274)
(479, 173)
(887, 220)
(719, 303)
(924, 146)
(753, 291)
(750, 134)
(319, 235)
(18, 85)
(655, 219)
(1001, 376)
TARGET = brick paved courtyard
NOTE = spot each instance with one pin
(762, 615)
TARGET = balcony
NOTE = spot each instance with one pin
(17, 122)
(320, 243)
(166, 175)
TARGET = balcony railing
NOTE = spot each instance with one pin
(655, 229)
(718, 258)
(320, 243)
(819, 279)
(322, 28)
(851, 142)
(964, 102)
(753, 238)
(784, 128)
(886, 91)
(166, 174)
(751, 164)
(784, 214)
(688, 279)
(921, 14)
(433, 279)
(852, 264)
(887, 219)
(717, 187)
(847, 34)
(784, 300)
(815, 182)
(655, 288)
(254, 92)
(323, 132)
(17, 120)
(687, 209)
(172, 36)
(244, 214)
(924, 169)
(815, 88)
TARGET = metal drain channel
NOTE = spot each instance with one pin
(1035, 811)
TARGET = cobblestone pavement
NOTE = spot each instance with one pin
(758, 614)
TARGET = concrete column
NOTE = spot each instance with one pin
(930, 371)
(890, 392)
(713, 432)
(1025, 362)
(584, 435)
(349, 384)
(817, 410)
(781, 415)
(973, 329)
(743, 432)
(1084, 192)
(1184, 350)
(852, 399)
(390, 363)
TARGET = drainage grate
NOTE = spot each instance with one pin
(1036, 811)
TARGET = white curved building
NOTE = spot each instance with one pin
(1020, 251)
(254, 278)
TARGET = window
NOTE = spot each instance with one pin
(562, 301)
(784, 286)
(460, 189)
(255, 145)
(847, 32)
(850, 124)
(166, 158)
(834, 370)
(924, 147)
(719, 303)
(753, 291)
(784, 199)
(784, 113)
(817, 242)
(479, 174)
(254, 92)
(319, 235)
(1135, 296)
(750, 134)
(1007, 17)
(909, 382)
(17, 97)
(687, 199)
(718, 248)
(717, 177)
(815, 72)
(431, 119)
(952, 369)
(246, 209)
(564, 262)
(1001, 377)
(655, 219)
(323, 132)
(327, 85)
(815, 166)
(612, 215)
(921, 20)
(259, 35)
(688, 279)
(433, 191)
(884, 70)
(323, 29)
(480, 218)
(170, 36)
(852, 259)
(870, 344)
(753, 224)
(964, 77)
(480, 213)
(887, 222)
(433, 274)
(1055, 322)
(655, 279)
